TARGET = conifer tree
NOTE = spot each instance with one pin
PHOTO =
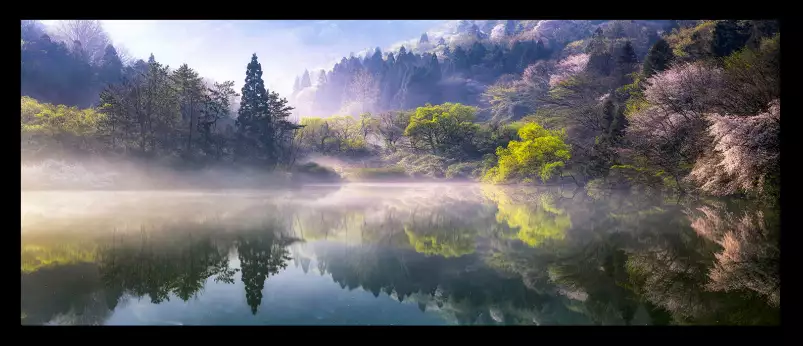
(305, 81)
(252, 116)
(658, 58)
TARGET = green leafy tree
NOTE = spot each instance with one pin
(540, 153)
(442, 129)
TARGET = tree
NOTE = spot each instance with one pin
(111, 67)
(669, 135)
(442, 129)
(658, 59)
(87, 36)
(252, 119)
(391, 126)
(745, 155)
(729, 36)
(283, 130)
(364, 89)
(315, 134)
(190, 93)
(296, 86)
(218, 106)
(752, 79)
(540, 153)
(305, 81)
(423, 39)
(322, 78)
(261, 255)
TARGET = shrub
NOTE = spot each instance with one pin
(381, 173)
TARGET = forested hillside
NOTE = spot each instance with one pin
(682, 106)
(83, 99)
(455, 64)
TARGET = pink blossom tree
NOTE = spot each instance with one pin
(746, 151)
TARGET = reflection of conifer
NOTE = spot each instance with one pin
(260, 257)
(305, 264)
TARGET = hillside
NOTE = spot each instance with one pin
(457, 62)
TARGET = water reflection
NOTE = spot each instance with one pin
(400, 254)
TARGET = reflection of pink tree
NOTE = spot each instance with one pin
(748, 260)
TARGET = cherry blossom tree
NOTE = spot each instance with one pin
(746, 151)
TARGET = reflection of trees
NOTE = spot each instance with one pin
(631, 263)
(158, 264)
(749, 259)
(537, 221)
(63, 290)
(49, 251)
(682, 272)
(261, 255)
(462, 287)
(441, 237)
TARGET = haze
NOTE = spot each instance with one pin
(219, 49)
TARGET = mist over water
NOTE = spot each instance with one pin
(374, 253)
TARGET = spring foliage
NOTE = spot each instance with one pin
(540, 153)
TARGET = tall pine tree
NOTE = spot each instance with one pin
(252, 116)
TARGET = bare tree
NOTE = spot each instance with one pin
(390, 126)
(125, 56)
(364, 88)
(89, 33)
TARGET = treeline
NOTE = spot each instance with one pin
(158, 113)
(71, 65)
(406, 79)
(700, 111)
(458, 71)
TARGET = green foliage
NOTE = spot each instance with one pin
(381, 173)
(35, 257)
(57, 127)
(540, 153)
(753, 78)
(694, 42)
(262, 126)
(442, 129)
(464, 170)
(533, 223)
(315, 171)
(442, 242)
(336, 135)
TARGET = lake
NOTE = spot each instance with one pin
(396, 254)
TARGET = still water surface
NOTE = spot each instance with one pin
(395, 254)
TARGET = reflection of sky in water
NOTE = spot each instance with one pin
(290, 297)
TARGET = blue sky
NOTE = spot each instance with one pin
(220, 50)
